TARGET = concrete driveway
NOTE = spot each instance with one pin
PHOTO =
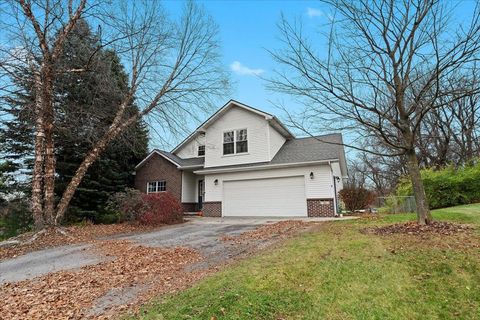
(198, 233)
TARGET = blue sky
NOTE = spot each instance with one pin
(247, 28)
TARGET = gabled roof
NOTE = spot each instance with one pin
(274, 122)
(179, 162)
(309, 150)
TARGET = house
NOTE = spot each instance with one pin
(244, 162)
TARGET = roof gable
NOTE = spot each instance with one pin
(274, 122)
(177, 161)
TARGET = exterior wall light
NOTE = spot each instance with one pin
(311, 175)
(215, 182)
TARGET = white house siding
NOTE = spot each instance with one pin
(276, 141)
(190, 150)
(320, 187)
(337, 172)
(189, 187)
(233, 119)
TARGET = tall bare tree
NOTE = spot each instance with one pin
(381, 73)
(174, 66)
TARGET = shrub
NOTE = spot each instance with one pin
(16, 218)
(126, 205)
(152, 209)
(356, 198)
(160, 208)
(447, 187)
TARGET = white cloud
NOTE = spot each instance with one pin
(240, 69)
(312, 12)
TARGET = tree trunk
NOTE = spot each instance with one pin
(114, 130)
(423, 212)
(49, 179)
(37, 175)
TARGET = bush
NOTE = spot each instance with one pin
(126, 205)
(15, 218)
(151, 209)
(447, 187)
(160, 208)
(356, 198)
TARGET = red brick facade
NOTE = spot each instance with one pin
(157, 168)
(189, 206)
(212, 209)
(320, 207)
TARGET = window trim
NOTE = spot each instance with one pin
(234, 142)
(198, 151)
(224, 143)
(157, 186)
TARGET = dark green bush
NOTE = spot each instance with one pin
(15, 218)
(447, 187)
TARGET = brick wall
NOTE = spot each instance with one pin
(189, 207)
(158, 168)
(320, 207)
(212, 209)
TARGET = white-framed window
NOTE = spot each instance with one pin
(156, 186)
(229, 142)
(201, 151)
(241, 141)
(235, 141)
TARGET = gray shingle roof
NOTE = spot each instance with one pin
(183, 162)
(310, 149)
(325, 147)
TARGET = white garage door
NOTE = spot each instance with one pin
(275, 197)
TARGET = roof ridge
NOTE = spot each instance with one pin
(319, 136)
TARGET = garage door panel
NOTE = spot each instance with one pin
(265, 197)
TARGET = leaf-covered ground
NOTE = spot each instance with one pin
(32, 241)
(339, 271)
(130, 275)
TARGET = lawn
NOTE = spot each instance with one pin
(337, 272)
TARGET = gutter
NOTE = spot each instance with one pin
(264, 167)
(190, 167)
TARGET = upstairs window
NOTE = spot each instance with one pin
(201, 151)
(156, 186)
(242, 144)
(235, 141)
(228, 142)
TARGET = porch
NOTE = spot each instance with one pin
(193, 191)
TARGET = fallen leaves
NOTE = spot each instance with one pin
(268, 231)
(73, 294)
(48, 238)
(129, 276)
(413, 228)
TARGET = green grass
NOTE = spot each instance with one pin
(338, 272)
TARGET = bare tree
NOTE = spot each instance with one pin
(381, 74)
(174, 66)
(447, 136)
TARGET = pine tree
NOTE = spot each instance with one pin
(90, 85)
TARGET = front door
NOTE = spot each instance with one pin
(201, 193)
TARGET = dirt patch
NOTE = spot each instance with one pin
(413, 228)
(31, 241)
(72, 294)
(269, 231)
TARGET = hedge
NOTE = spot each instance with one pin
(447, 187)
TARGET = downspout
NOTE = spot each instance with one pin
(335, 207)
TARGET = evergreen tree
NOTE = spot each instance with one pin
(89, 88)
